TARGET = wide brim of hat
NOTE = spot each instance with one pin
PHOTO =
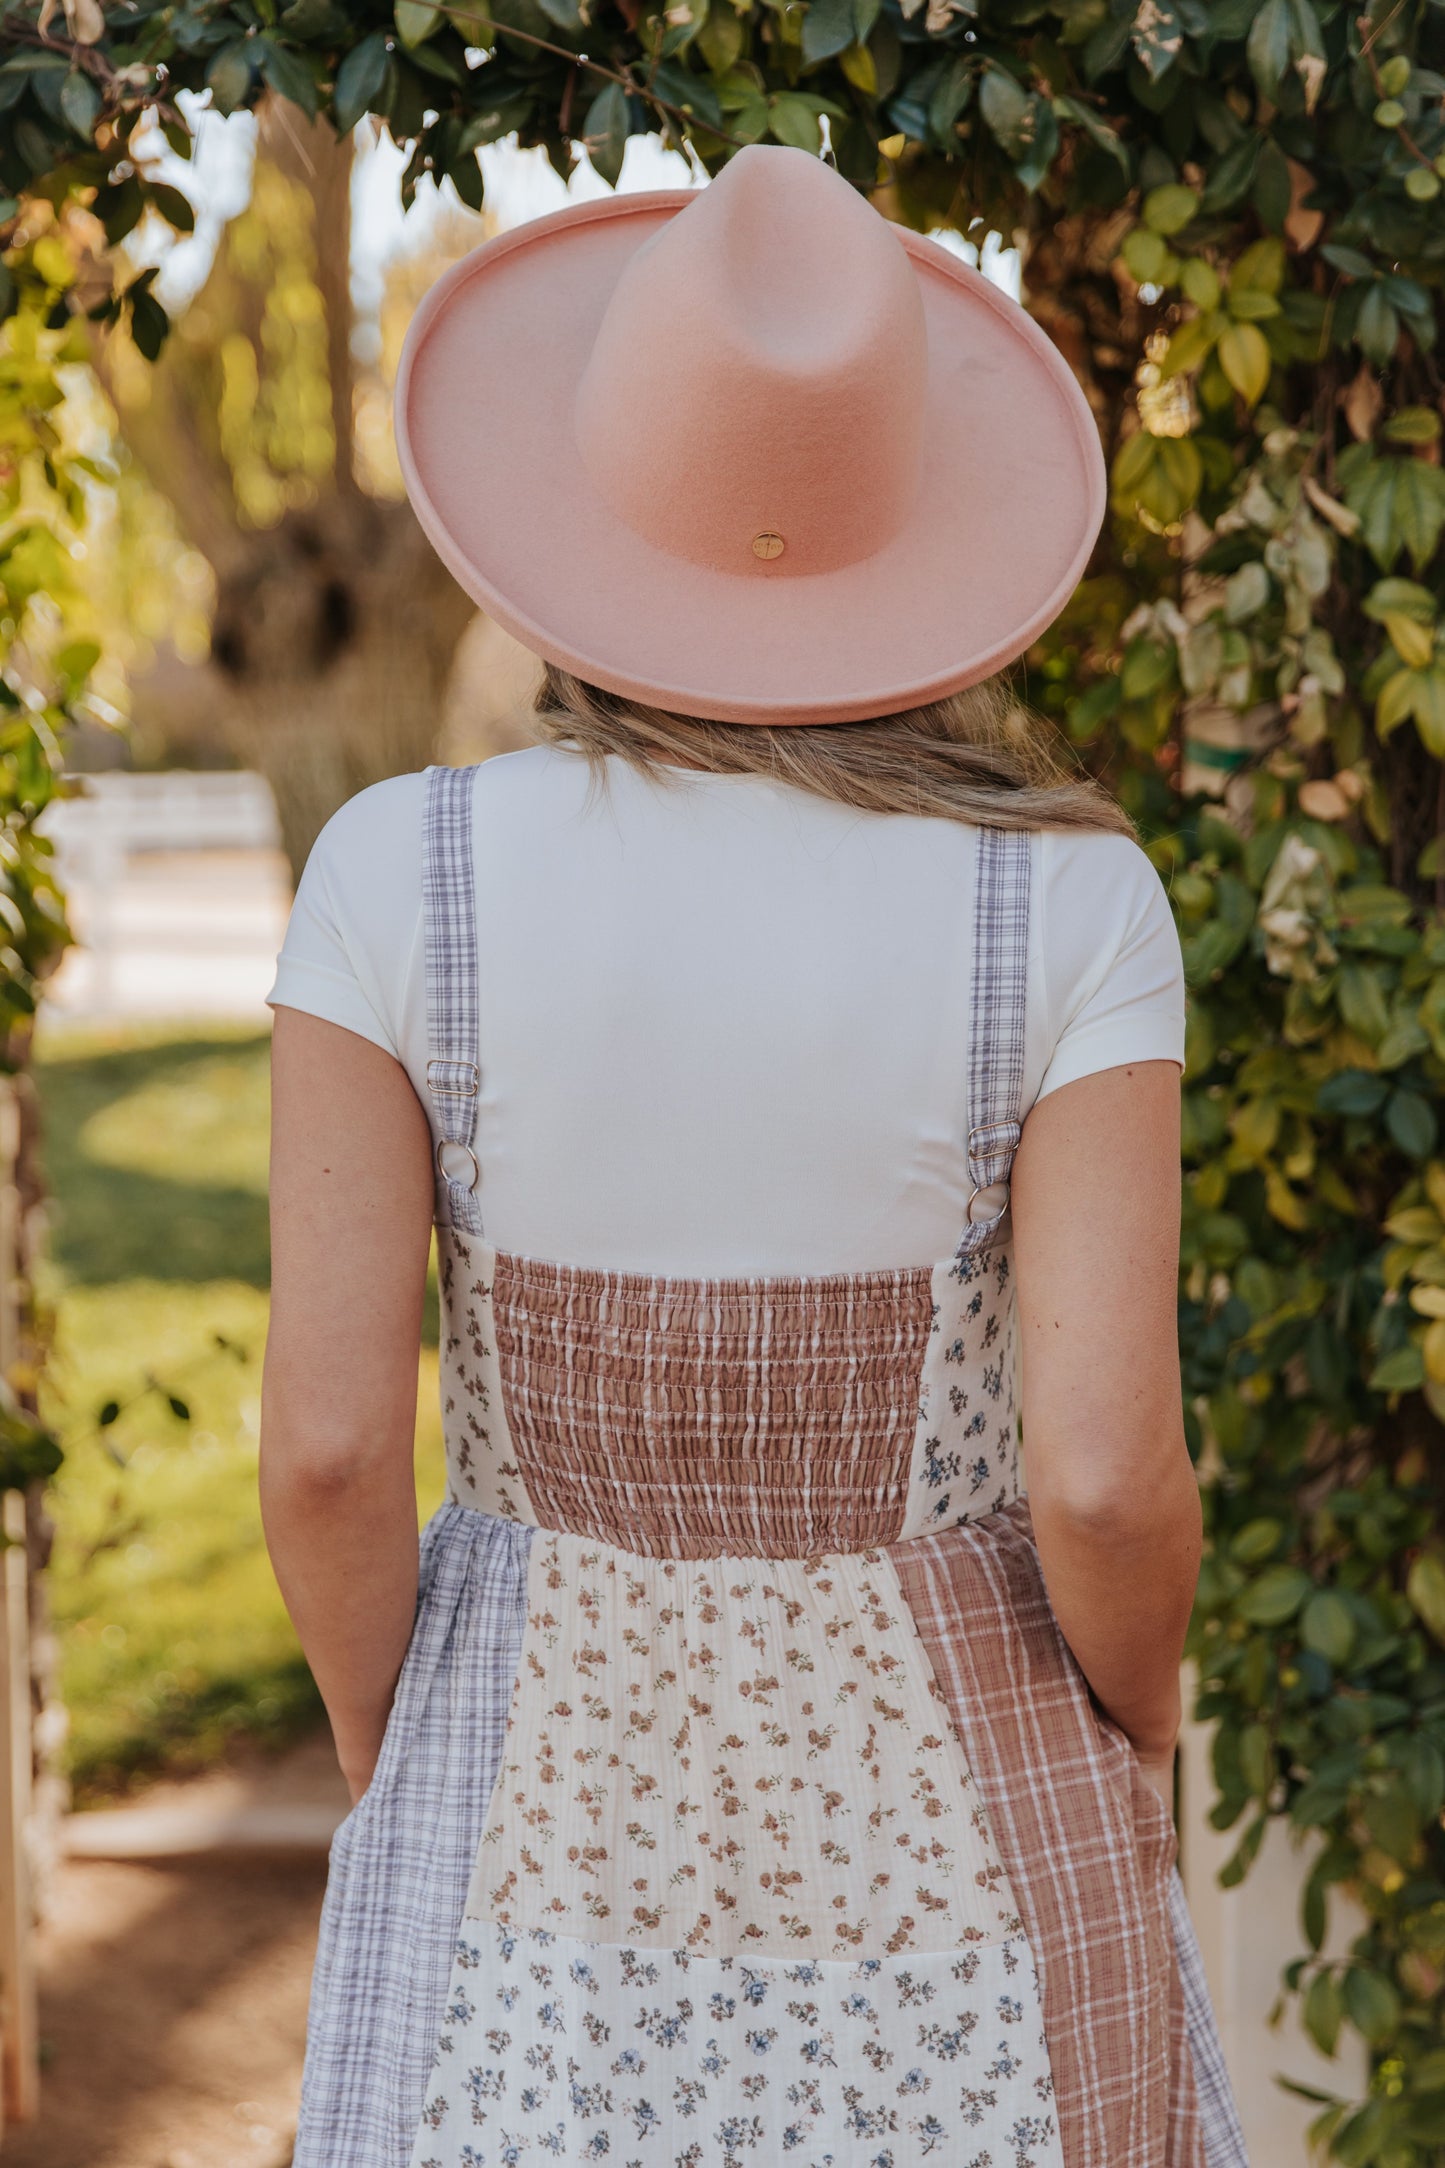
(1010, 502)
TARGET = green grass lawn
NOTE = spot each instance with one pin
(174, 1638)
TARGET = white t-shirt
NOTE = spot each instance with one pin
(724, 1023)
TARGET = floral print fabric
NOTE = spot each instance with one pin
(965, 1450)
(558, 2051)
(733, 1756)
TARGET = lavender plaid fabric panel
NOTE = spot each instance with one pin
(453, 1022)
(1223, 2137)
(401, 1861)
(996, 1036)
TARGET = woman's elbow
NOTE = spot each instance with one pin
(1123, 1492)
(315, 1462)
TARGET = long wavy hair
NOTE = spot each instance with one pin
(975, 756)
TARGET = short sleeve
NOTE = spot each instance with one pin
(1113, 968)
(349, 938)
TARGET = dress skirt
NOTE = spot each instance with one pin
(485, 1994)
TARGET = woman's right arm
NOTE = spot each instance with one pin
(1113, 1493)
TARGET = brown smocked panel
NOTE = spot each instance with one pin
(1087, 1843)
(770, 1418)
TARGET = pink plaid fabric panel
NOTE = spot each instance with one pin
(1086, 1841)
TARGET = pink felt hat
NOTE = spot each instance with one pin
(749, 452)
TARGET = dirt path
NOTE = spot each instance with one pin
(173, 1992)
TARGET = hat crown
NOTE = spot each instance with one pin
(754, 398)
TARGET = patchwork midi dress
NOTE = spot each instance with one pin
(741, 1803)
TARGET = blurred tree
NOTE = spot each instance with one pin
(334, 625)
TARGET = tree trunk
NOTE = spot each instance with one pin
(331, 653)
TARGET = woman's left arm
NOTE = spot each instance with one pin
(351, 1208)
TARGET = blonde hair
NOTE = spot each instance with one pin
(976, 755)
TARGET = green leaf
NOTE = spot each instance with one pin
(723, 36)
(1099, 134)
(1200, 282)
(288, 76)
(1324, 2011)
(1158, 37)
(1412, 425)
(952, 97)
(828, 29)
(1377, 327)
(491, 124)
(1244, 358)
(1429, 705)
(1274, 1596)
(1411, 1121)
(1148, 258)
(416, 21)
(1362, 1002)
(1348, 260)
(360, 80)
(465, 174)
(1401, 1371)
(1399, 598)
(1425, 1587)
(1232, 176)
(1237, 1866)
(1372, 2003)
(80, 102)
(305, 20)
(1419, 509)
(1168, 210)
(1004, 105)
(1327, 1626)
(1352, 1091)
(793, 120)
(177, 210)
(605, 129)
(1268, 47)
(149, 324)
(1255, 1541)
(228, 76)
(1271, 192)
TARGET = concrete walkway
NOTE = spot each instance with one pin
(175, 1966)
(256, 1809)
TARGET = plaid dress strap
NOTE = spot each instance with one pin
(452, 1003)
(996, 1034)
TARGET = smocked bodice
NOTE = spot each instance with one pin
(775, 1417)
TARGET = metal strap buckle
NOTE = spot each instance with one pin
(1001, 1137)
(444, 1090)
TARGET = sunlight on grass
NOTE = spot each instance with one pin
(174, 1637)
(205, 1124)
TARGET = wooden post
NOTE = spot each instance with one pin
(27, 1706)
(19, 2043)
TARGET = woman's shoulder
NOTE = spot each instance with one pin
(382, 824)
(1102, 879)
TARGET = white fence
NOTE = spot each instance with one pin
(178, 894)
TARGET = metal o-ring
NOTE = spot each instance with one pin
(455, 1145)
